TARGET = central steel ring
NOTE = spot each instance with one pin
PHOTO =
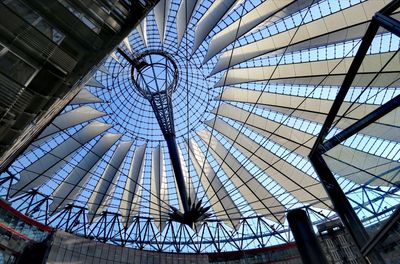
(154, 72)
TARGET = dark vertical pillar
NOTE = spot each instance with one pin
(306, 240)
(339, 201)
(176, 164)
(342, 205)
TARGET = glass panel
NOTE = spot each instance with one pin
(389, 246)
(16, 68)
(376, 82)
(368, 169)
(87, 21)
(35, 20)
(49, 31)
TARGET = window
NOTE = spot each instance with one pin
(87, 21)
(15, 68)
(35, 20)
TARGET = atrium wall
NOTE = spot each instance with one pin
(67, 248)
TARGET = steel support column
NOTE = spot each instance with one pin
(339, 200)
(361, 124)
(342, 205)
(347, 82)
(306, 240)
(176, 164)
(389, 23)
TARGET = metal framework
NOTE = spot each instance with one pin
(160, 98)
(323, 143)
(211, 236)
(237, 140)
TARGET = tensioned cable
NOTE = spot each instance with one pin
(187, 111)
(380, 89)
(265, 139)
(219, 103)
(267, 84)
(248, 116)
(108, 164)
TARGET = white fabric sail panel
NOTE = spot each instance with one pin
(220, 200)
(379, 130)
(114, 56)
(127, 44)
(191, 190)
(339, 36)
(155, 184)
(210, 19)
(64, 121)
(134, 178)
(359, 13)
(361, 80)
(107, 180)
(161, 11)
(371, 64)
(43, 169)
(244, 24)
(312, 105)
(184, 15)
(315, 109)
(362, 167)
(351, 163)
(159, 191)
(85, 97)
(256, 195)
(71, 118)
(188, 180)
(142, 30)
(67, 191)
(287, 10)
(95, 83)
(109, 195)
(104, 69)
(303, 187)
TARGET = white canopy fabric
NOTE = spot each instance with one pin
(316, 110)
(321, 71)
(221, 201)
(255, 83)
(67, 191)
(142, 29)
(184, 15)
(42, 170)
(85, 97)
(129, 201)
(159, 191)
(210, 19)
(95, 83)
(257, 196)
(354, 164)
(345, 19)
(304, 187)
(161, 11)
(107, 181)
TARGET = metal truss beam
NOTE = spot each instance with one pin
(382, 233)
(341, 204)
(339, 200)
(348, 80)
(360, 124)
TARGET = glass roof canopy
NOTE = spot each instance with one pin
(255, 82)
